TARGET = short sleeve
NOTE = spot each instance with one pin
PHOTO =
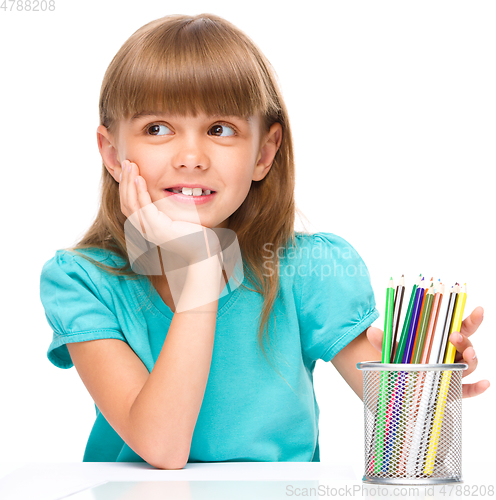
(77, 305)
(337, 300)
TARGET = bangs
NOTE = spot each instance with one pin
(185, 67)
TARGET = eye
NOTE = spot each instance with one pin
(155, 128)
(218, 128)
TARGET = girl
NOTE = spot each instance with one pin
(174, 369)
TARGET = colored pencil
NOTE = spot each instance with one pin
(431, 328)
(414, 423)
(398, 356)
(427, 408)
(413, 324)
(447, 324)
(398, 423)
(445, 380)
(438, 335)
(423, 323)
(431, 392)
(403, 429)
(398, 303)
(388, 323)
(426, 288)
(391, 419)
(383, 392)
(461, 298)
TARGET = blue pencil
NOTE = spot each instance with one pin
(417, 306)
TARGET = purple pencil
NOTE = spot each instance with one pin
(417, 306)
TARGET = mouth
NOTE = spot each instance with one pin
(197, 197)
(194, 191)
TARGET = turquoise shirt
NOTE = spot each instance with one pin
(249, 412)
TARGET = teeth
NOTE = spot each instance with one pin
(192, 191)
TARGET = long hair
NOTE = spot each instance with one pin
(184, 65)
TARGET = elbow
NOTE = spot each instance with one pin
(167, 454)
(169, 463)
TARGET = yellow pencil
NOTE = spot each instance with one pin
(456, 324)
(449, 358)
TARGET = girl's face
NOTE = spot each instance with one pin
(224, 154)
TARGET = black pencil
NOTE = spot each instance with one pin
(447, 322)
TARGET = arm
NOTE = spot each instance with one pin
(345, 361)
(165, 411)
(155, 413)
(368, 346)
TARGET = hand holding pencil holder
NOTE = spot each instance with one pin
(413, 422)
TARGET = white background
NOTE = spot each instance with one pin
(393, 112)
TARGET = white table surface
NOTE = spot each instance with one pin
(219, 481)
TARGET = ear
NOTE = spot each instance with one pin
(270, 145)
(108, 152)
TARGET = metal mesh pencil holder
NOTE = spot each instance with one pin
(413, 422)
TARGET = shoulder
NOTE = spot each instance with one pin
(68, 269)
(322, 263)
(336, 299)
(321, 238)
(82, 260)
(327, 263)
(323, 246)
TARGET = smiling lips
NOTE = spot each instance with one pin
(188, 191)
(190, 195)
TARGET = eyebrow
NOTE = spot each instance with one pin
(156, 113)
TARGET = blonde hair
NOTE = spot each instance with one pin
(182, 65)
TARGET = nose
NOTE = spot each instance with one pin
(190, 152)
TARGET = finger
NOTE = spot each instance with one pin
(123, 189)
(472, 322)
(132, 193)
(375, 337)
(127, 189)
(471, 390)
(464, 352)
(149, 214)
(142, 195)
(144, 204)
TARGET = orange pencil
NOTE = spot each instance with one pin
(431, 328)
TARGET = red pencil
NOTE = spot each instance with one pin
(431, 328)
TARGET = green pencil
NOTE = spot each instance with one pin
(406, 323)
(424, 321)
(383, 395)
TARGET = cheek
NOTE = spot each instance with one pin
(148, 160)
(240, 164)
(238, 174)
